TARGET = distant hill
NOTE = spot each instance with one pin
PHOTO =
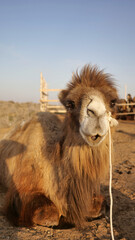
(13, 112)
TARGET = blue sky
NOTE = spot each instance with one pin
(59, 36)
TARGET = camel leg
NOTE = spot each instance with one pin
(99, 207)
(29, 208)
(47, 215)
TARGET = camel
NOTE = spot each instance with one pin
(53, 167)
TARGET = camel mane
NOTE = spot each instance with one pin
(91, 76)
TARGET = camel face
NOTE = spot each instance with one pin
(94, 122)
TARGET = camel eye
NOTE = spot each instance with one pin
(90, 112)
(70, 105)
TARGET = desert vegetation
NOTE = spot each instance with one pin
(12, 113)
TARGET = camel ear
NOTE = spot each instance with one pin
(63, 97)
(68, 103)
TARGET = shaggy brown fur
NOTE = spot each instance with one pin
(50, 171)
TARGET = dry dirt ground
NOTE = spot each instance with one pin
(123, 198)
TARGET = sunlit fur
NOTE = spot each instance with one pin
(48, 168)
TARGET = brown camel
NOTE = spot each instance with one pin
(52, 167)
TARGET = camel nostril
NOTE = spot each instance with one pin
(90, 112)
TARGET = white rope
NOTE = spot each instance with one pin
(110, 185)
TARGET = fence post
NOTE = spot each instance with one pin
(44, 101)
(43, 94)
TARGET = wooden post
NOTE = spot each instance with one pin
(43, 94)
(44, 101)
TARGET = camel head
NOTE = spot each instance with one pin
(88, 99)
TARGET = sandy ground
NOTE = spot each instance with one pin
(123, 198)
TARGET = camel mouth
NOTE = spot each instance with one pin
(92, 140)
(95, 137)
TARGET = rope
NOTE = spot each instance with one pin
(110, 185)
